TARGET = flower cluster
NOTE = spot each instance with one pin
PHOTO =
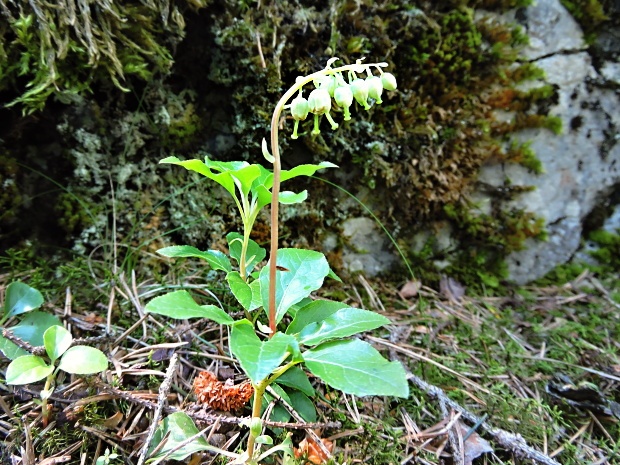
(331, 87)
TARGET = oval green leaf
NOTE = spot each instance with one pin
(83, 360)
(21, 298)
(56, 340)
(176, 429)
(215, 258)
(296, 378)
(257, 299)
(10, 349)
(27, 369)
(343, 323)
(303, 405)
(290, 198)
(357, 368)
(259, 358)
(32, 327)
(254, 255)
(240, 289)
(181, 305)
(304, 273)
(315, 311)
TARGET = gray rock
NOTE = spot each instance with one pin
(551, 29)
(582, 165)
(366, 247)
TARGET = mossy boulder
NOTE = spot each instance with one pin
(416, 159)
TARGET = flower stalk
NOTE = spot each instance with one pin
(319, 77)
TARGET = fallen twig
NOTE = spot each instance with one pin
(164, 388)
(206, 417)
(513, 442)
(40, 350)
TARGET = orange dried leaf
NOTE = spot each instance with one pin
(309, 449)
(221, 396)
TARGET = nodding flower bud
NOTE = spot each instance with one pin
(344, 98)
(389, 81)
(359, 87)
(375, 88)
(321, 82)
(319, 101)
(332, 85)
(299, 108)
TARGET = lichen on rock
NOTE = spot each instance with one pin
(468, 102)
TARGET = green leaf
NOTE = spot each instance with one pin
(286, 447)
(289, 198)
(229, 175)
(240, 289)
(260, 358)
(261, 189)
(21, 298)
(177, 428)
(200, 167)
(181, 305)
(27, 369)
(56, 340)
(306, 271)
(304, 170)
(216, 259)
(334, 276)
(279, 413)
(10, 349)
(33, 325)
(83, 360)
(254, 255)
(296, 378)
(303, 405)
(315, 311)
(292, 311)
(342, 323)
(357, 368)
(257, 298)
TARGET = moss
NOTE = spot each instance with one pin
(10, 196)
(604, 248)
(184, 125)
(60, 51)
(607, 252)
(444, 56)
(525, 72)
(590, 14)
(486, 239)
(523, 154)
(72, 216)
(423, 147)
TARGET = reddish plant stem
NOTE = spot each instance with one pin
(275, 193)
(277, 168)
